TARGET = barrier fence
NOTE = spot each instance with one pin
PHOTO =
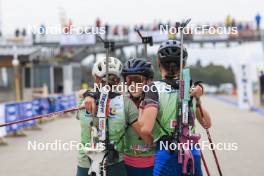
(14, 111)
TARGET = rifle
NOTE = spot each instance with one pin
(145, 40)
(185, 120)
(98, 155)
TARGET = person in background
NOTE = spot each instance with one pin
(228, 21)
(261, 80)
(84, 85)
(24, 32)
(258, 20)
(106, 30)
(17, 33)
(98, 22)
(233, 24)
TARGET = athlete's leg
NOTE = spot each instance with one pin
(198, 165)
(197, 162)
(135, 171)
(82, 171)
(117, 169)
(166, 164)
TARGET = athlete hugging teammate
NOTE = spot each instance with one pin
(157, 110)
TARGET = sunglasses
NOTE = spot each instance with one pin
(135, 79)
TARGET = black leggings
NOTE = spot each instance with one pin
(82, 171)
(114, 170)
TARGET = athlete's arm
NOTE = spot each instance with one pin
(132, 115)
(148, 111)
(204, 119)
(146, 138)
(147, 121)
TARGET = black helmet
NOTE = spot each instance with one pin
(138, 66)
(170, 51)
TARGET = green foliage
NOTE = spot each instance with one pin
(212, 74)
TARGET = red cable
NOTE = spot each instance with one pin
(42, 116)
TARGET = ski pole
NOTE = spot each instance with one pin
(42, 116)
(211, 142)
(204, 161)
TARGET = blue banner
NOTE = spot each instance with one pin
(65, 103)
(58, 103)
(72, 101)
(22, 110)
(44, 106)
(36, 106)
(12, 114)
(27, 111)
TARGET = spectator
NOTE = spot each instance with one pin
(42, 29)
(24, 32)
(261, 80)
(106, 30)
(228, 21)
(155, 27)
(258, 20)
(125, 31)
(239, 27)
(141, 27)
(115, 30)
(233, 24)
(17, 33)
(98, 22)
(247, 27)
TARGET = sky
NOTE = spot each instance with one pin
(20, 13)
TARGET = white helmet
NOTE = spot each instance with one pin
(115, 67)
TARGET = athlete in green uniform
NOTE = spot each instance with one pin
(122, 111)
(139, 157)
(85, 120)
(158, 117)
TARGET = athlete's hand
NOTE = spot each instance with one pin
(196, 91)
(204, 124)
(90, 105)
(81, 92)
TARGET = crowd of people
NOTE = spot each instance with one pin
(229, 21)
(123, 30)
